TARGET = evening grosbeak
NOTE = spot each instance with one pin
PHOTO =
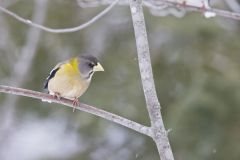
(71, 78)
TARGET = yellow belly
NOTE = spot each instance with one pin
(67, 87)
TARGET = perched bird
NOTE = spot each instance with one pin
(71, 78)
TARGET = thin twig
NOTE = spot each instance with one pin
(64, 30)
(153, 105)
(223, 13)
(162, 4)
(82, 107)
(219, 12)
(92, 3)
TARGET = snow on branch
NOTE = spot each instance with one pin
(154, 5)
(161, 7)
(218, 12)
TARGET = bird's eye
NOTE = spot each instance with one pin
(91, 65)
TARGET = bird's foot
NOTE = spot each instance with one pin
(184, 4)
(57, 95)
(205, 5)
(75, 103)
(203, 8)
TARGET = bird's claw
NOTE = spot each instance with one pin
(57, 96)
(75, 103)
(184, 4)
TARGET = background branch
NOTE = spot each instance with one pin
(233, 4)
(83, 107)
(157, 5)
(153, 105)
(150, 4)
(219, 12)
(21, 66)
(64, 30)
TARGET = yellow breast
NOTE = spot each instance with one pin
(67, 81)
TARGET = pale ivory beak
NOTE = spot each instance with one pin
(98, 67)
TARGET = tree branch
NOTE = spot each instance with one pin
(163, 4)
(21, 66)
(153, 105)
(223, 13)
(64, 30)
(82, 107)
(219, 12)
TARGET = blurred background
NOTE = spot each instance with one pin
(196, 69)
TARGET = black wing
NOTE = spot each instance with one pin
(50, 76)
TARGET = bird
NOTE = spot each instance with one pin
(71, 78)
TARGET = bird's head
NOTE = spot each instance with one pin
(89, 64)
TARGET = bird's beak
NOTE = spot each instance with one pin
(98, 67)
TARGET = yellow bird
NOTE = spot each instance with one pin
(71, 78)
